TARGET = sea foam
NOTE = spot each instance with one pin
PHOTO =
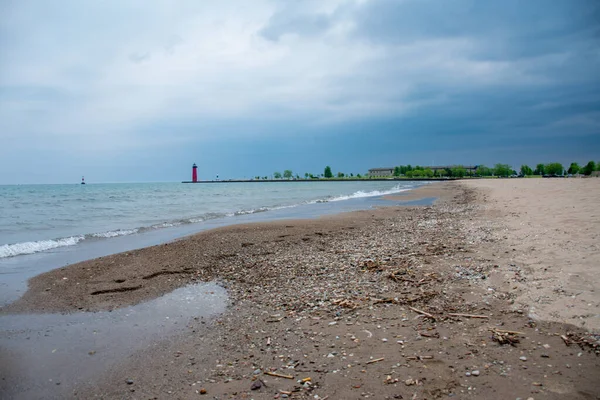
(10, 250)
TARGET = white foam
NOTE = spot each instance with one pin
(374, 193)
(111, 234)
(11, 250)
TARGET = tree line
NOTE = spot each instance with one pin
(327, 173)
(458, 171)
(501, 170)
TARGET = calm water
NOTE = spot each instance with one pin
(40, 218)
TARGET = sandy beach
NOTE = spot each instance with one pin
(489, 293)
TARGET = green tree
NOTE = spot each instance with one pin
(553, 169)
(340, 174)
(459, 171)
(574, 168)
(351, 174)
(526, 170)
(306, 175)
(539, 170)
(397, 171)
(502, 170)
(277, 175)
(358, 175)
(589, 168)
(287, 174)
(327, 173)
(428, 172)
(482, 170)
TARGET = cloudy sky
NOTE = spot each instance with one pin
(138, 90)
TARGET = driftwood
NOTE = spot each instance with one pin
(422, 312)
(376, 360)
(279, 375)
(467, 315)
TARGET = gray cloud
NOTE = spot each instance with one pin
(306, 25)
(234, 69)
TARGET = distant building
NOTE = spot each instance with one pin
(381, 172)
(389, 172)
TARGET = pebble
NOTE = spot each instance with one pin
(129, 381)
(475, 373)
(523, 358)
(467, 374)
(257, 372)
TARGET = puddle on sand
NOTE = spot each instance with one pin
(47, 355)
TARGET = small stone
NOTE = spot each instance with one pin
(129, 381)
(546, 346)
(523, 358)
(467, 374)
(256, 385)
(330, 355)
(409, 382)
(257, 372)
(475, 373)
(202, 391)
(384, 340)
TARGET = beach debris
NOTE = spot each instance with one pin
(257, 384)
(505, 337)
(375, 360)
(422, 312)
(419, 358)
(467, 315)
(275, 374)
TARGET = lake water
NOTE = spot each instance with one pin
(43, 227)
(36, 218)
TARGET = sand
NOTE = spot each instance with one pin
(552, 229)
(400, 302)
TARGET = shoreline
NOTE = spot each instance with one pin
(124, 279)
(343, 300)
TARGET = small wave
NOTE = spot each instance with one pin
(11, 250)
(252, 211)
(360, 194)
(111, 234)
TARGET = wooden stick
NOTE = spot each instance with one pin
(279, 375)
(467, 315)
(509, 332)
(421, 312)
(565, 339)
(376, 360)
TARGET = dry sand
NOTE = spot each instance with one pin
(552, 229)
(363, 305)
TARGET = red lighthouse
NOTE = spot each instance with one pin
(194, 173)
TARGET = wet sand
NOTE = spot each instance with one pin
(366, 304)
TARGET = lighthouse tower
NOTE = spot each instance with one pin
(194, 173)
